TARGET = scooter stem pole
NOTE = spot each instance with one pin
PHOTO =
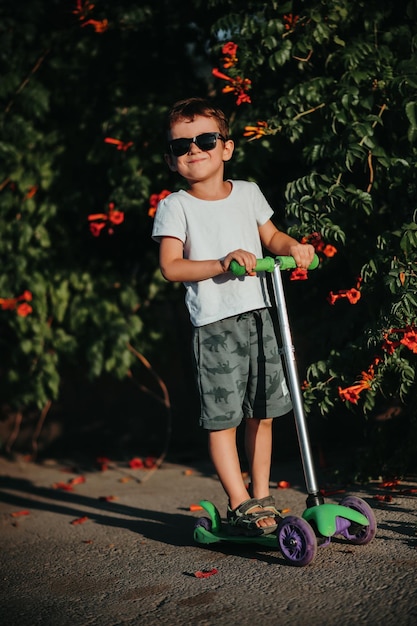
(293, 379)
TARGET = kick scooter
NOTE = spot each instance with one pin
(296, 537)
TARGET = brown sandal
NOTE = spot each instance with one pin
(243, 519)
(268, 504)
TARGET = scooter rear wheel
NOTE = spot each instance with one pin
(297, 540)
(356, 534)
(204, 522)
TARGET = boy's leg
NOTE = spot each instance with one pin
(225, 458)
(258, 447)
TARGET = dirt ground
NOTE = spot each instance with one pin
(80, 546)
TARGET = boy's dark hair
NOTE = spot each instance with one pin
(191, 107)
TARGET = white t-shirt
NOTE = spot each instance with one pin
(210, 229)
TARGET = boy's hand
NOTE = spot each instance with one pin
(243, 257)
(303, 254)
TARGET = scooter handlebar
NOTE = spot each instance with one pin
(268, 263)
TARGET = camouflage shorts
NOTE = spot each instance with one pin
(239, 370)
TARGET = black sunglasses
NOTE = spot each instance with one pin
(205, 141)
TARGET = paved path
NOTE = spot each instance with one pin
(133, 560)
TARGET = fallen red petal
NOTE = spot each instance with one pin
(383, 498)
(63, 486)
(78, 480)
(205, 573)
(136, 463)
(20, 513)
(389, 484)
(103, 463)
(80, 520)
(283, 484)
(331, 492)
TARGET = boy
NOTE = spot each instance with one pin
(238, 367)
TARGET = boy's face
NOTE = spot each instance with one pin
(196, 164)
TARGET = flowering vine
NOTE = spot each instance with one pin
(316, 240)
(154, 201)
(99, 220)
(299, 274)
(229, 51)
(290, 21)
(100, 26)
(405, 337)
(352, 393)
(408, 339)
(256, 132)
(18, 304)
(352, 295)
(32, 192)
(237, 85)
(83, 10)
(121, 145)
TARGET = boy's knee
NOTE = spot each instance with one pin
(266, 423)
(255, 422)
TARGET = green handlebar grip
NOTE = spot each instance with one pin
(262, 265)
(237, 269)
(288, 263)
(267, 264)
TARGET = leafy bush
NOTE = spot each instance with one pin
(322, 103)
(332, 100)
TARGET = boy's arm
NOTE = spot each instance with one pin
(177, 269)
(279, 243)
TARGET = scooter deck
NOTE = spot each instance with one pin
(213, 530)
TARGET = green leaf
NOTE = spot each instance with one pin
(411, 112)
